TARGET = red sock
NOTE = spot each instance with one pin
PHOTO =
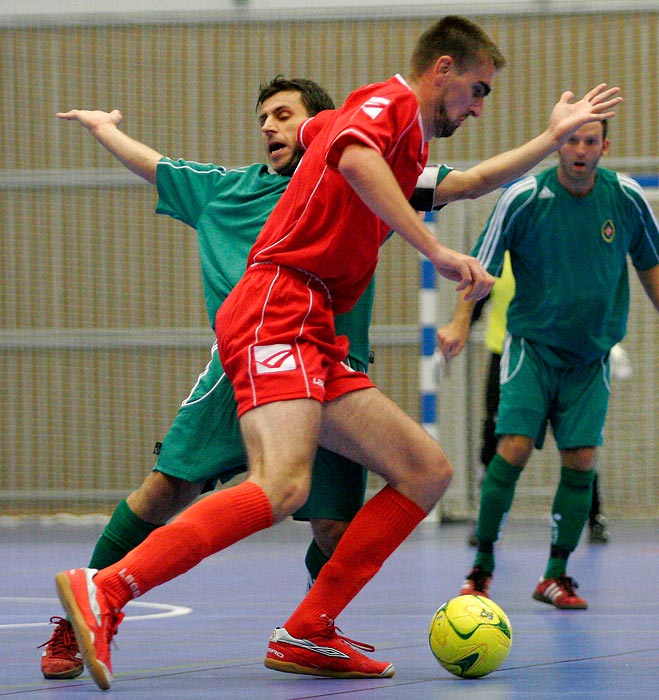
(377, 530)
(212, 524)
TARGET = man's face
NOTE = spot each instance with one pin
(460, 95)
(579, 156)
(279, 117)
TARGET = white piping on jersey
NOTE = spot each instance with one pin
(506, 375)
(607, 383)
(250, 348)
(186, 401)
(300, 136)
(219, 169)
(494, 229)
(628, 183)
(402, 80)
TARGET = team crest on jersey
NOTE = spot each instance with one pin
(608, 231)
(374, 106)
(274, 358)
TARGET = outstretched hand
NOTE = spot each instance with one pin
(466, 270)
(103, 126)
(91, 119)
(596, 105)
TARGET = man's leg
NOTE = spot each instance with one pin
(497, 493)
(338, 486)
(281, 440)
(583, 395)
(158, 499)
(489, 437)
(569, 516)
(370, 429)
(203, 444)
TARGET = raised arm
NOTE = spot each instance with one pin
(104, 127)
(372, 179)
(566, 117)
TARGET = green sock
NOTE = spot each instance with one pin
(123, 533)
(315, 560)
(497, 492)
(569, 514)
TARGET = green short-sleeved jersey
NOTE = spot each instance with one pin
(227, 208)
(569, 260)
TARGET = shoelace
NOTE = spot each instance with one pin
(62, 639)
(333, 630)
(114, 620)
(568, 584)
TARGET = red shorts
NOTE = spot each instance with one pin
(276, 340)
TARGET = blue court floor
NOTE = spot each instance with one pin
(204, 635)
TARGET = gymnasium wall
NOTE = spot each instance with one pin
(102, 325)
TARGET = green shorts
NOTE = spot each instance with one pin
(574, 400)
(204, 445)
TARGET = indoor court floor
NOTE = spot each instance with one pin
(204, 634)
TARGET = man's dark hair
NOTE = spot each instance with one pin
(466, 43)
(314, 97)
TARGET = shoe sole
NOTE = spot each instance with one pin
(64, 675)
(549, 601)
(289, 667)
(97, 669)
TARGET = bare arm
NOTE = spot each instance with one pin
(372, 179)
(104, 127)
(452, 337)
(565, 119)
(650, 281)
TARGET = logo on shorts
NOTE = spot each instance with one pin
(274, 358)
(608, 231)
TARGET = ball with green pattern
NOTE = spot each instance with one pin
(470, 636)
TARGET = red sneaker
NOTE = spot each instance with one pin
(560, 592)
(61, 657)
(477, 583)
(328, 654)
(94, 621)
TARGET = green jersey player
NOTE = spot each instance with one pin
(227, 208)
(569, 231)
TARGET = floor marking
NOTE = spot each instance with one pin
(164, 610)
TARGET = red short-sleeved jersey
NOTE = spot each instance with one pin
(320, 225)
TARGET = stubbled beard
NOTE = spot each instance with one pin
(291, 166)
(443, 127)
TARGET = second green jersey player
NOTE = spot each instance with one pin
(570, 231)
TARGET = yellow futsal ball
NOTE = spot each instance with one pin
(470, 636)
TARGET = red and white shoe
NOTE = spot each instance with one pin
(328, 654)
(94, 622)
(560, 592)
(61, 657)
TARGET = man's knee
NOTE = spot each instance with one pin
(327, 533)
(161, 496)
